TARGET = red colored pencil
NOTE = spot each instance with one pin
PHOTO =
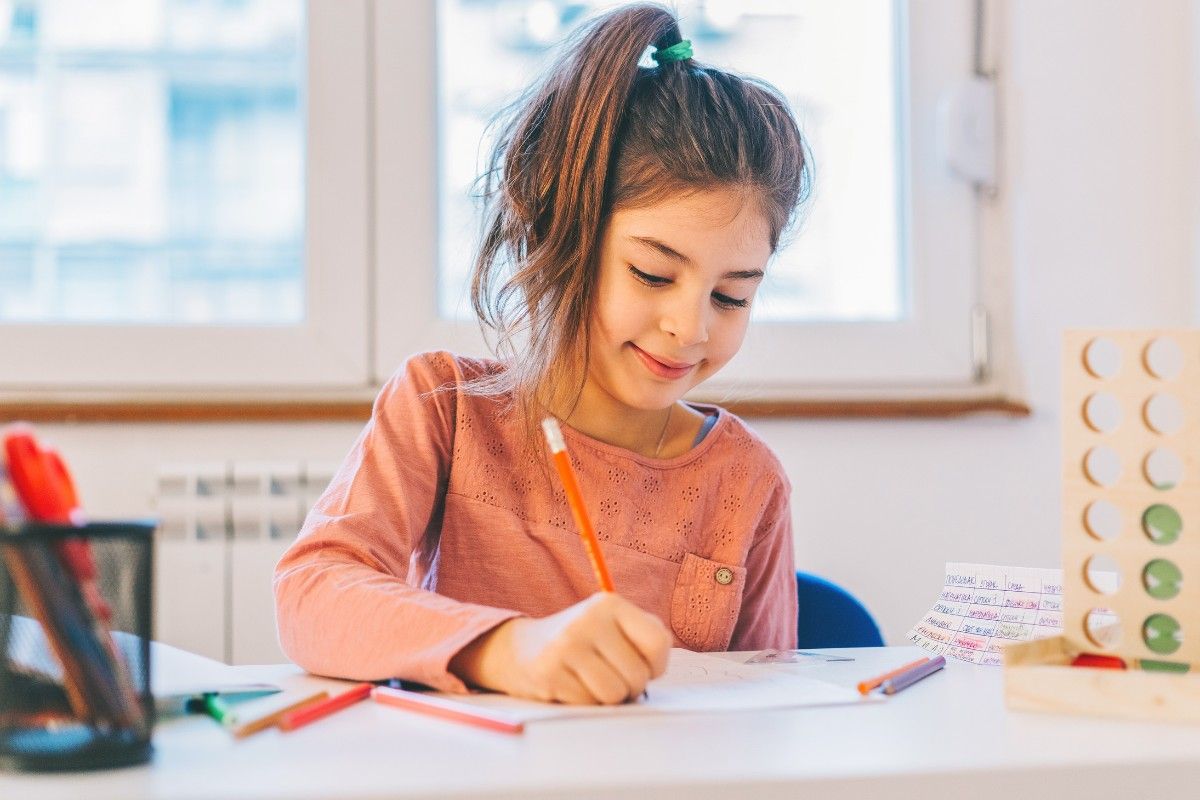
(446, 709)
(315, 711)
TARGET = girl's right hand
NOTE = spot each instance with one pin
(602, 650)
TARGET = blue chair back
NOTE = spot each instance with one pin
(832, 617)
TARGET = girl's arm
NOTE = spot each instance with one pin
(348, 601)
(768, 615)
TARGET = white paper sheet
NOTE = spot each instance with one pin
(693, 683)
(175, 675)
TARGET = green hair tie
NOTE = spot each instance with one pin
(680, 51)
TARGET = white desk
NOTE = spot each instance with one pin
(949, 736)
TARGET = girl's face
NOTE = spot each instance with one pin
(675, 285)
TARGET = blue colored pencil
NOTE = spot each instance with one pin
(906, 679)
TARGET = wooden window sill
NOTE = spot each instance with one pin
(359, 410)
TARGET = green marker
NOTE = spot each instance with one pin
(219, 710)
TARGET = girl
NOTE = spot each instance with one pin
(631, 213)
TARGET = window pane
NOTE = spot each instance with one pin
(151, 161)
(835, 62)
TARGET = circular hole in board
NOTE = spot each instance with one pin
(1163, 414)
(1162, 523)
(1163, 358)
(1103, 574)
(1163, 469)
(1162, 579)
(1102, 412)
(1102, 520)
(1103, 627)
(1162, 634)
(1102, 357)
(1102, 465)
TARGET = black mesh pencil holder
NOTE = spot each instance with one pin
(75, 643)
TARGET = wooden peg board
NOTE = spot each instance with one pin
(1132, 548)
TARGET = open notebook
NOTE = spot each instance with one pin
(694, 683)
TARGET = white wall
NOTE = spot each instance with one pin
(1098, 216)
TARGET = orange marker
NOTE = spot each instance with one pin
(446, 709)
(866, 686)
(322, 708)
(562, 460)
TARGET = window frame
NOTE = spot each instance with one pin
(372, 251)
(331, 347)
(932, 350)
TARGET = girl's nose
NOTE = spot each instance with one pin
(687, 321)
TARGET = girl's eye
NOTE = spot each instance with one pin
(647, 278)
(725, 301)
(720, 300)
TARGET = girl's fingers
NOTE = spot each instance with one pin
(648, 635)
(625, 659)
(602, 682)
(567, 688)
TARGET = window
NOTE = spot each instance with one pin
(155, 225)
(266, 194)
(835, 62)
(878, 286)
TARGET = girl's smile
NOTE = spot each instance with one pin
(665, 368)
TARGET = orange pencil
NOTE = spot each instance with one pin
(562, 460)
(258, 715)
(446, 709)
(867, 686)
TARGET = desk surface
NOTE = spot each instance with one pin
(950, 733)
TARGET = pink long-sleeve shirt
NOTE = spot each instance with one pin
(441, 524)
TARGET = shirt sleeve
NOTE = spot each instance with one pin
(348, 596)
(768, 614)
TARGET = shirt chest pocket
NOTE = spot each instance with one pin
(705, 602)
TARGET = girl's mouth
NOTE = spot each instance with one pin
(663, 368)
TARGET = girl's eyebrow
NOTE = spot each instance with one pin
(675, 255)
(663, 248)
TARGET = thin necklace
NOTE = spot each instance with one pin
(663, 436)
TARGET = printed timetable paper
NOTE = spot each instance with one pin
(982, 607)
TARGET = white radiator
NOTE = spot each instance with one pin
(223, 526)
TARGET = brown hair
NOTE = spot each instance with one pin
(601, 133)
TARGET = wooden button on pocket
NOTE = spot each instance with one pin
(705, 602)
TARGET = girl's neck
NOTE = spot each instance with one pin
(654, 433)
(602, 417)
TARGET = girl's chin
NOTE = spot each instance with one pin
(649, 401)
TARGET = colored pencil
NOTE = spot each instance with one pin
(866, 686)
(566, 473)
(315, 711)
(445, 709)
(27, 585)
(906, 679)
(262, 714)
